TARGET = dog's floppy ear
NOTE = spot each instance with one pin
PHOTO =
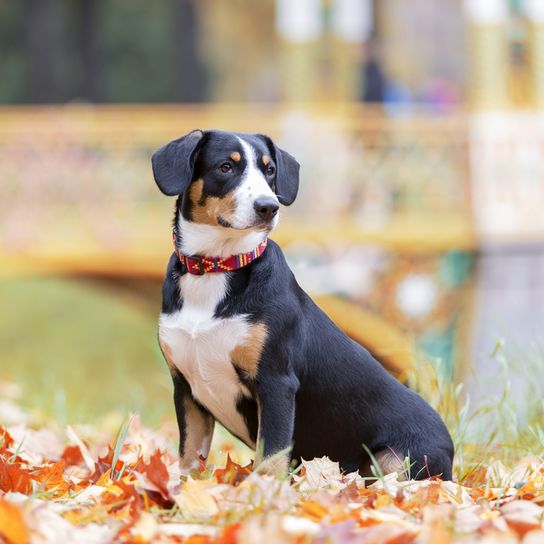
(287, 173)
(173, 163)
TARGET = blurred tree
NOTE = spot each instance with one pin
(96, 50)
(188, 75)
(12, 62)
(41, 41)
(87, 49)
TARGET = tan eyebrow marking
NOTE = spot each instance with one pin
(235, 156)
(266, 160)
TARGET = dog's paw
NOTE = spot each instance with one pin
(190, 468)
(275, 465)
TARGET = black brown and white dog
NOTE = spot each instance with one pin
(247, 347)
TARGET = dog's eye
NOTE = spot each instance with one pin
(226, 167)
(270, 171)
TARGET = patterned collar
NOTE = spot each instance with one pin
(198, 265)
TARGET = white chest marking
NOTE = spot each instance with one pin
(200, 347)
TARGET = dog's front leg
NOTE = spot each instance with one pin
(194, 422)
(276, 413)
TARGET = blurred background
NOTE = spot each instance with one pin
(419, 226)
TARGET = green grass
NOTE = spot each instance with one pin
(79, 352)
(502, 425)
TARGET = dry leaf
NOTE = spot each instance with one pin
(534, 537)
(145, 528)
(85, 505)
(233, 473)
(187, 530)
(157, 473)
(522, 516)
(320, 473)
(12, 524)
(13, 477)
(52, 479)
(72, 456)
(195, 500)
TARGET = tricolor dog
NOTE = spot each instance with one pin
(247, 347)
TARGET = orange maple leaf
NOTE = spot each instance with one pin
(233, 473)
(157, 473)
(72, 456)
(14, 478)
(103, 465)
(12, 525)
(229, 535)
(6, 441)
(52, 477)
(313, 510)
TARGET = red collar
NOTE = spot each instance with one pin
(197, 265)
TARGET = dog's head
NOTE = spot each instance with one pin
(227, 180)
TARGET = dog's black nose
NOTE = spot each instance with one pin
(266, 207)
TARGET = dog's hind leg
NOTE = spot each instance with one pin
(388, 461)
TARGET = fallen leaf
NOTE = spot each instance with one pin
(36, 446)
(105, 479)
(157, 473)
(72, 456)
(320, 473)
(313, 510)
(195, 500)
(499, 537)
(229, 535)
(102, 465)
(145, 528)
(522, 516)
(52, 478)
(6, 441)
(12, 525)
(436, 521)
(13, 477)
(84, 450)
(232, 473)
(188, 530)
(534, 537)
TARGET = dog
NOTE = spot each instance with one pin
(247, 347)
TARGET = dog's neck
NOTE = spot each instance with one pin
(211, 241)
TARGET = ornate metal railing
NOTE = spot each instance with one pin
(76, 180)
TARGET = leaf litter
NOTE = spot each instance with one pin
(85, 485)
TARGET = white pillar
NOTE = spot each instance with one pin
(299, 20)
(300, 25)
(534, 11)
(488, 52)
(352, 20)
(486, 12)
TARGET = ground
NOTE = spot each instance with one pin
(90, 484)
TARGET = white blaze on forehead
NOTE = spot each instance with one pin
(252, 186)
(254, 179)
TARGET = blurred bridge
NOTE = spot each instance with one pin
(391, 193)
(77, 191)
